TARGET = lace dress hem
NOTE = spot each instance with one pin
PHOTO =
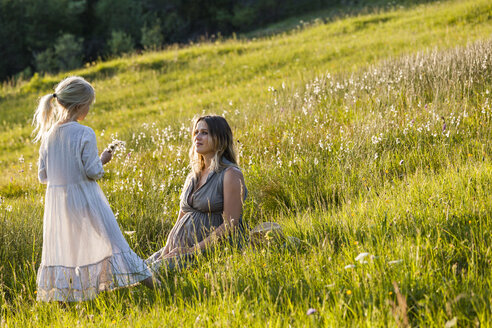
(74, 284)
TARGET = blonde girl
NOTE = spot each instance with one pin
(84, 251)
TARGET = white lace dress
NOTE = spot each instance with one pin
(84, 251)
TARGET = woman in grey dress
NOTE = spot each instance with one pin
(213, 194)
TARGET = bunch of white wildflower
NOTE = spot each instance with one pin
(115, 144)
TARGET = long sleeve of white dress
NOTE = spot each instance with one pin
(90, 159)
(43, 178)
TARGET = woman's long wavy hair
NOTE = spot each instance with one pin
(71, 96)
(223, 143)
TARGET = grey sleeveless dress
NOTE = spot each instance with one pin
(202, 213)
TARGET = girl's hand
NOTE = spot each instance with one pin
(106, 156)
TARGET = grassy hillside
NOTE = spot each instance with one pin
(367, 134)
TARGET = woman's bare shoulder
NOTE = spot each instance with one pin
(233, 175)
(233, 171)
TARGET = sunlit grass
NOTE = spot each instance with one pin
(368, 134)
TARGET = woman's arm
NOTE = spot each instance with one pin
(233, 207)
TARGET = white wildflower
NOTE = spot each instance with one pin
(114, 145)
(361, 257)
(395, 262)
(377, 139)
(451, 323)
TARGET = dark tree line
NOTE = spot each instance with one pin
(53, 35)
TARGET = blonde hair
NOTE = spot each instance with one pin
(72, 95)
(223, 143)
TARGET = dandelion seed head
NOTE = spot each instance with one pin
(311, 311)
(395, 262)
(361, 257)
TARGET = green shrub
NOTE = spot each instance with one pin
(120, 43)
(65, 55)
(68, 52)
(152, 37)
(45, 61)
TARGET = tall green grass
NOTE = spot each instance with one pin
(387, 154)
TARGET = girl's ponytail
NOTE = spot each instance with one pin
(73, 95)
(44, 117)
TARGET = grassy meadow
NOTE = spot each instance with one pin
(367, 137)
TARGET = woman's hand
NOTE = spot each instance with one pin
(178, 251)
(106, 156)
